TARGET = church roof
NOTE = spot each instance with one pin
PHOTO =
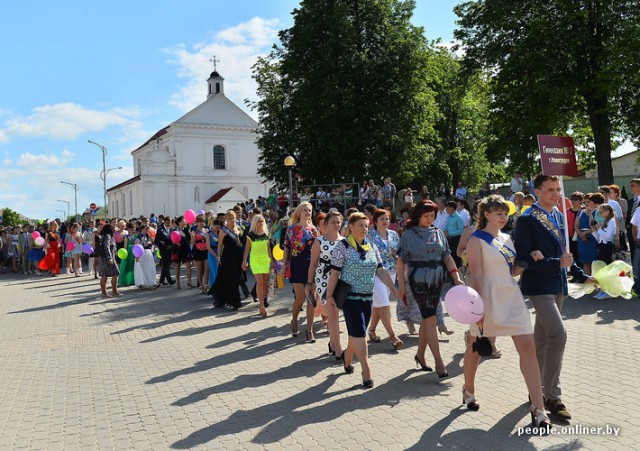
(217, 110)
(125, 183)
(217, 196)
(158, 134)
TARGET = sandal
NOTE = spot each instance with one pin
(294, 328)
(189, 285)
(396, 343)
(373, 338)
(263, 311)
(310, 337)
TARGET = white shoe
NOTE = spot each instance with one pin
(68, 270)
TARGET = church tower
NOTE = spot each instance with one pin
(215, 81)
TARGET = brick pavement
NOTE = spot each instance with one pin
(162, 370)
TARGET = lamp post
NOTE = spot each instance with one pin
(103, 176)
(75, 191)
(63, 214)
(290, 162)
(68, 206)
(104, 171)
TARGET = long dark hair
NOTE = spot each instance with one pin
(422, 207)
(107, 229)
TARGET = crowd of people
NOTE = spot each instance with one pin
(364, 260)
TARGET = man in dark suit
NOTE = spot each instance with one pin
(633, 206)
(544, 282)
(163, 241)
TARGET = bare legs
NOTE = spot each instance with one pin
(200, 274)
(526, 348)
(383, 315)
(298, 289)
(358, 346)
(261, 291)
(333, 324)
(428, 335)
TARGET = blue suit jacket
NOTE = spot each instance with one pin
(542, 276)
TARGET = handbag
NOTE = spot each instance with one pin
(340, 293)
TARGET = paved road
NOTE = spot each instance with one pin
(162, 370)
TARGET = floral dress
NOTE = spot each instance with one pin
(388, 249)
(299, 240)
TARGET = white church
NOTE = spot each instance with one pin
(206, 160)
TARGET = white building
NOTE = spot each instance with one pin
(210, 148)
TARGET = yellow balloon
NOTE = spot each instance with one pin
(525, 208)
(512, 207)
(277, 252)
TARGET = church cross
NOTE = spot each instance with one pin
(214, 60)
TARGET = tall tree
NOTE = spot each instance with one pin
(346, 93)
(555, 64)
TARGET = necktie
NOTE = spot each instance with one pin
(634, 206)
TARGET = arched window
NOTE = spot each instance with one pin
(139, 167)
(219, 158)
(131, 202)
(196, 194)
(217, 88)
(124, 205)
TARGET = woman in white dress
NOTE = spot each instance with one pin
(144, 271)
(319, 271)
(491, 259)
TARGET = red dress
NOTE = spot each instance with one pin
(51, 261)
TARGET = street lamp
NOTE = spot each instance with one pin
(75, 191)
(63, 216)
(290, 162)
(68, 206)
(104, 171)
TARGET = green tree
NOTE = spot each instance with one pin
(555, 65)
(10, 218)
(346, 93)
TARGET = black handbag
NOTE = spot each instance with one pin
(340, 293)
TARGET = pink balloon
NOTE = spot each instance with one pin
(190, 216)
(71, 246)
(175, 237)
(137, 250)
(464, 304)
(39, 241)
(35, 234)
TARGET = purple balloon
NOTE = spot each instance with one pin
(200, 212)
(87, 249)
(138, 250)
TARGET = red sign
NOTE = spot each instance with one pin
(557, 155)
(92, 207)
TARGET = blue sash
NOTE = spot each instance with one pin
(548, 221)
(508, 254)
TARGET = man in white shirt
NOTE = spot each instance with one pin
(517, 182)
(463, 212)
(441, 217)
(635, 229)
(461, 191)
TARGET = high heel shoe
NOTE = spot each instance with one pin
(331, 351)
(294, 328)
(539, 419)
(263, 312)
(469, 400)
(368, 383)
(373, 338)
(310, 337)
(396, 343)
(443, 375)
(443, 329)
(347, 368)
(424, 367)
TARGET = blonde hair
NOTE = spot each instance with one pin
(610, 216)
(295, 216)
(254, 225)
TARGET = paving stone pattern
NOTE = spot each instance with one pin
(163, 370)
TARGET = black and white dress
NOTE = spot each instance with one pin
(323, 270)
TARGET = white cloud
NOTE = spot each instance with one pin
(237, 48)
(67, 121)
(30, 160)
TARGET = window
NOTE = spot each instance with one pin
(196, 194)
(139, 167)
(217, 88)
(219, 158)
(131, 202)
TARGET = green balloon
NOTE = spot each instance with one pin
(123, 254)
(158, 253)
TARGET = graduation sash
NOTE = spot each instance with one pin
(508, 254)
(548, 221)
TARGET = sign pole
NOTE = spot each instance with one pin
(564, 214)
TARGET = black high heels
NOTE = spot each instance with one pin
(422, 365)
(347, 368)
(469, 400)
(331, 351)
(540, 421)
(368, 383)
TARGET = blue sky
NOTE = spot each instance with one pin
(116, 72)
